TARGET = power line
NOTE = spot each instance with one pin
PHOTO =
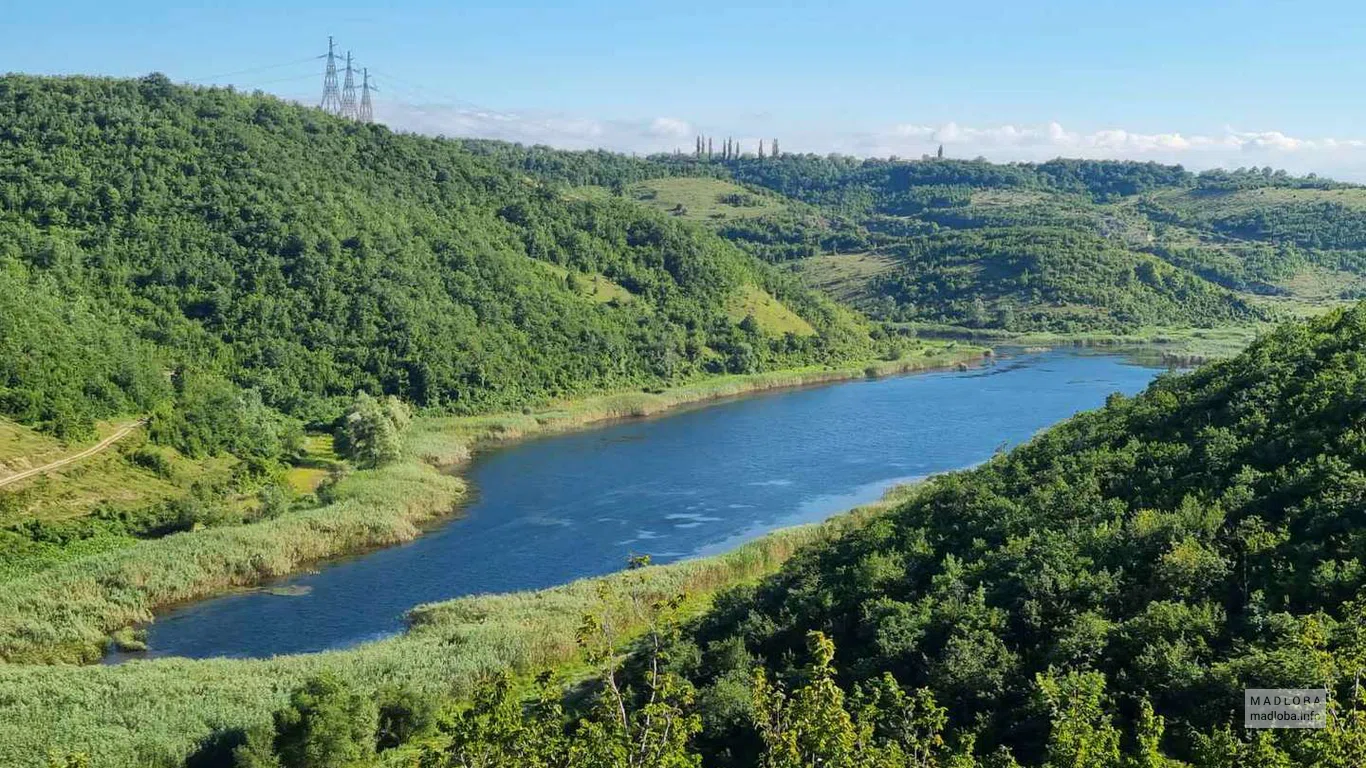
(255, 69)
(421, 89)
(290, 78)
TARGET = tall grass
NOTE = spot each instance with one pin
(65, 614)
(155, 713)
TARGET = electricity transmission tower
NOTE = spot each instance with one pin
(367, 110)
(331, 99)
(348, 94)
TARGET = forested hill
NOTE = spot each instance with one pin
(1170, 549)
(1069, 244)
(1066, 245)
(232, 241)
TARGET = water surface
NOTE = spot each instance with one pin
(696, 482)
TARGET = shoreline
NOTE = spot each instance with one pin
(372, 509)
(445, 649)
(450, 442)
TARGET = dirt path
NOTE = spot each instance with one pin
(121, 433)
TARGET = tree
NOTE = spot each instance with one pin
(1148, 735)
(812, 727)
(325, 725)
(495, 729)
(649, 730)
(402, 715)
(372, 430)
(909, 726)
(257, 749)
(977, 315)
(1005, 316)
(742, 359)
(1082, 735)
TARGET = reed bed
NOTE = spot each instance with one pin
(157, 713)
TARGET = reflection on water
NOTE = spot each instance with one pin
(694, 483)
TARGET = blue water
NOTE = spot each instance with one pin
(695, 482)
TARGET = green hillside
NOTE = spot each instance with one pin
(1076, 245)
(147, 228)
(1067, 246)
(235, 269)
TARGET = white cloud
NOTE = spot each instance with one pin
(531, 127)
(671, 127)
(1344, 158)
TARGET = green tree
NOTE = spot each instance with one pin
(325, 725)
(1082, 734)
(371, 432)
(1148, 732)
(977, 315)
(257, 749)
(651, 728)
(402, 715)
(496, 729)
(811, 727)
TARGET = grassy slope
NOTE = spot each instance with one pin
(591, 286)
(111, 484)
(67, 613)
(846, 277)
(702, 199)
(773, 316)
(107, 478)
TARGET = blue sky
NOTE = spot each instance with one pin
(1201, 82)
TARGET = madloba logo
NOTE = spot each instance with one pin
(1285, 708)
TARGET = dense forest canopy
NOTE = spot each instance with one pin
(1200, 538)
(306, 258)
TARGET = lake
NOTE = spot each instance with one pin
(694, 482)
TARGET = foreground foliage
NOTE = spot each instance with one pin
(165, 712)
